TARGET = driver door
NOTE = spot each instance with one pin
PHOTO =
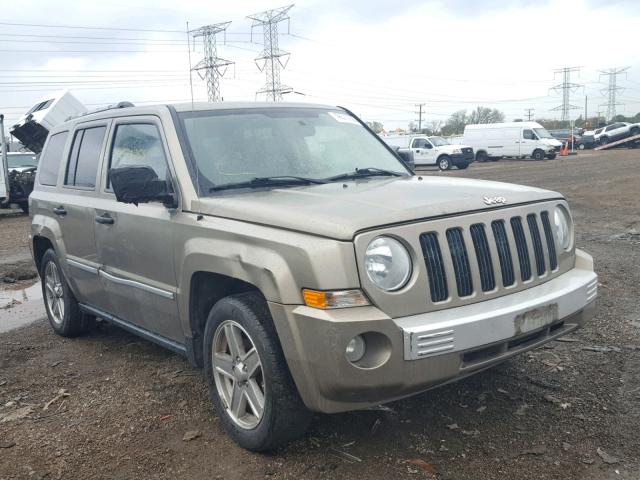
(423, 152)
(135, 243)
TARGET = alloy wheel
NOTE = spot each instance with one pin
(54, 292)
(238, 374)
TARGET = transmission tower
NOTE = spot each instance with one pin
(566, 87)
(213, 66)
(612, 89)
(271, 58)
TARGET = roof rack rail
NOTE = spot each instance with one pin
(113, 106)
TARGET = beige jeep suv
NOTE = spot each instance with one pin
(289, 252)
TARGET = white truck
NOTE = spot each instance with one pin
(492, 141)
(17, 172)
(432, 151)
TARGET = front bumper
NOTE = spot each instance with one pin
(462, 158)
(472, 337)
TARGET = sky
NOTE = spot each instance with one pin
(379, 59)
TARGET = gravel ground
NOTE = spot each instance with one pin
(110, 405)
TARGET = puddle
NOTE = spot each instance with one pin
(20, 296)
(20, 307)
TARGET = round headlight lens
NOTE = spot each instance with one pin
(561, 219)
(387, 263)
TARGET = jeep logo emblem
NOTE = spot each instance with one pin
(494, 200)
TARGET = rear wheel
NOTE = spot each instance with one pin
(634, 131)
(444, 162)
(249, 381)
(537, 155)
(462, 166)
(61, 305)
(604, 140)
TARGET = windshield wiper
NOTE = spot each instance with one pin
(366, 172)
(275, 181)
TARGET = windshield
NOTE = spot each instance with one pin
(230, 146)
(22, 160)
(438, 141)
(542, 133)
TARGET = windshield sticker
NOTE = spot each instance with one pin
(343, 118)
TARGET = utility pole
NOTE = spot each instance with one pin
(586, 118)
(529, 113)
(566, 87)
(271, 58)
(213, 66)
(419, 112)
(612, 89)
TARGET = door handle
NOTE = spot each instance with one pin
(105, 219)
(60, 211)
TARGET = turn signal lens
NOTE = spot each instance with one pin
(336, 299)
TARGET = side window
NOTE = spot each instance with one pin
(85, 155)
(138, 144)
(51, 158)
(527, 134)
(419, 143)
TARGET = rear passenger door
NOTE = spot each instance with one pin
(135, 244)
(74, 210)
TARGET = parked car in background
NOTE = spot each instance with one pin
(512, 139)
(432, 151)
(588, 140)
(21, 161)
(617, 131)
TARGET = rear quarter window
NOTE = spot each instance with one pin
(51, 158)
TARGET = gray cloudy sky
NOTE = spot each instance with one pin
(378, 58)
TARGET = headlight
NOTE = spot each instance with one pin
(457, 150)
(561, 219)
(387, 263)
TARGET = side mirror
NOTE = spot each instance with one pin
(428, 146)
(140, 184)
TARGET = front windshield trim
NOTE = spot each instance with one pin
(203, 184)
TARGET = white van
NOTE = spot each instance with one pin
(432, 151)
(513, 139)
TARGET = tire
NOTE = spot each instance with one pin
(24, 206)
(604, 140)
(537, 155)
(283, 416)
(462, 166)
(481, 157)
(581, 146)
(551, 156)
(444, 162)
(61, 305)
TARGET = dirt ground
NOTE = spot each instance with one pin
(118, 406)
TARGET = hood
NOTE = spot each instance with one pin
(340, 210)
(451, 148)
(554, 142)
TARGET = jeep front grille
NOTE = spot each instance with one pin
(510, 243)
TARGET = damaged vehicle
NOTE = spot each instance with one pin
(288, 251)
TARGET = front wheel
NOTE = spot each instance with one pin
(249, 382)
(444, 163)
(481, 157)
(538, 155)
(581, 146)
(551, 156)
(61, 305)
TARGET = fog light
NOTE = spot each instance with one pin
(355, 349)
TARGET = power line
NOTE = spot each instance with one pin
(529, 113)
(213, 66)
(566, 87)
(612, 89)
(272, 57)
(83, 27)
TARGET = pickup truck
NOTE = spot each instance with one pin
(432, 151)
